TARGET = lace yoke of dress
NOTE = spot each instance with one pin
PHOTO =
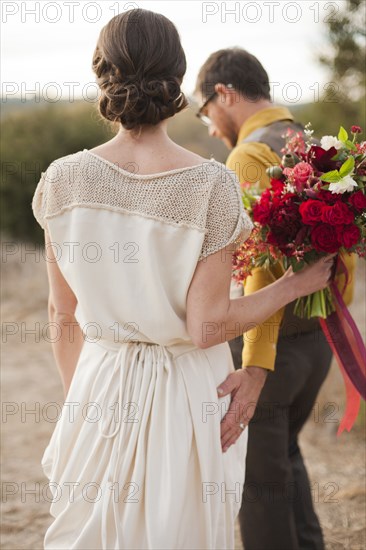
(205, 197)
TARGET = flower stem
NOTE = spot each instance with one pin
(318, 304)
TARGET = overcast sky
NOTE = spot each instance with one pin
(49, 42)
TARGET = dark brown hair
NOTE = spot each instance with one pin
(139, 63)
(237, 67)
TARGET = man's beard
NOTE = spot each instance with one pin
(231, 139)
(231, 135)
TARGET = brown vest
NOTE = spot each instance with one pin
(271, 135)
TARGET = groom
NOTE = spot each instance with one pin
(286, 365)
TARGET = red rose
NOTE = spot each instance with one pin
(358, 201)
(348, 235)
(324, 238)
(339, 214)
(311, 211)
(301, 173)
(327, 196)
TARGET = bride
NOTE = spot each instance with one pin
(167, 471)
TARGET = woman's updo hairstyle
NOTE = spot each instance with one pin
(139, 63)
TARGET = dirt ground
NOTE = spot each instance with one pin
(30, 381)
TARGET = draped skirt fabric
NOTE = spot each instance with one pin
(135, 459)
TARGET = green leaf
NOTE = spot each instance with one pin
(347, 167)
(351, 145)
(318, 305)
(342, 134)
(331, 177)
(342, 154)
(297, 265)
(311, 256)
(248, 199)
(246, 202)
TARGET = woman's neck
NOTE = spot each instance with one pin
(150, 150)
(147, 134)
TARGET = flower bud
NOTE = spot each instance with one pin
(356, 130)
(289, 160)
(274, 172)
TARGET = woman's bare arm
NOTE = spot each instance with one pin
(213, 318)
(67, 337)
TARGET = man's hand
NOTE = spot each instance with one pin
(245, 386)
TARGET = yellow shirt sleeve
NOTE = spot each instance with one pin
(250, 161)
(260, 343)
(350, 262)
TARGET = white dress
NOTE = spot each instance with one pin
(135, 459)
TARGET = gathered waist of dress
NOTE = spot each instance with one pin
(175, 349)
(131, 354)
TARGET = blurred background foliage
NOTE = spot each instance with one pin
(35, 133)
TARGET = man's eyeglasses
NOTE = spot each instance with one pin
(201, 115)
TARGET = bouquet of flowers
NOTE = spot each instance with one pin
(315, 205)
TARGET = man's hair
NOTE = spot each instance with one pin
(237, 67)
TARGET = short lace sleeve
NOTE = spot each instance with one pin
(38, 201)
(226, 221)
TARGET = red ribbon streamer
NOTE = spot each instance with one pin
(347, 345)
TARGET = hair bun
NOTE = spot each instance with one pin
(114, 79)
(148, 101)
(166, 90)
(139, 80)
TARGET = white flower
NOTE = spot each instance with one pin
(342, 186)
(289, 188)
(330, 141)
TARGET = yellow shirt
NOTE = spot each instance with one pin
(249, 161)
